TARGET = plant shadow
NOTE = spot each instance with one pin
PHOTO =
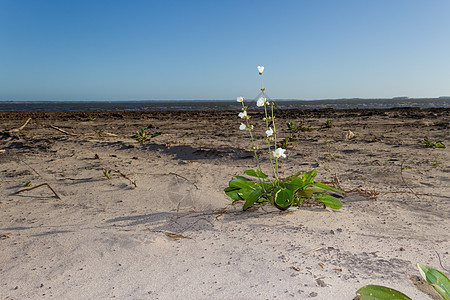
(191, 221)
(183, 152)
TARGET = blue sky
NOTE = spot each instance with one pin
(166, 50)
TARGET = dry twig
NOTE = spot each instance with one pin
(30, 167)
(126, 177)
(101, 132)
(312, 250)
(371, 194)
(172, 235)
(177, 175)
(404, 181)
(440, 262)
(34, 187)
(107, 133)
(63, 131)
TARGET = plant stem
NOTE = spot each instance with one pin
(276, 163)
(255, 154)
(275, 174)
(275, 139)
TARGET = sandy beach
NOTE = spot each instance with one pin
(162, 228)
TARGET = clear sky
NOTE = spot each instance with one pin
(166, 50)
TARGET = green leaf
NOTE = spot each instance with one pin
(308, 192)
(331, 201)
(291, 187)
(299, 183)
(328, 188)
(256, 173)
(238, 183)
(252, 198)
(378, 292)
(229, 189)
(262, 199)
(266, 186)
(308, 177)
(436, 279)
(283, 197)
(233, 195)
(241, 178)
(288, 179)
(245, 193)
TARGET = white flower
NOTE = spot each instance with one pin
(279, 153)
(260, 69)
(240, 99)
(243, 114)
(242, 127)
(261, 101)
(269, 132)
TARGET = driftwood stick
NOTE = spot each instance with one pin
(39, 185)
(23, 126)
(20, 128)
(63, 131)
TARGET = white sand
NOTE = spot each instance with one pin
(176, 236)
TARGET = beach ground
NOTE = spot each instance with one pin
(161, 226)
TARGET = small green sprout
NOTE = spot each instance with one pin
(305, 126)
(328, 124)
(27, 183)
(142, 137)
(291, 126)
(90, 118)
(107, 173)
(284, 142)
(429, 144)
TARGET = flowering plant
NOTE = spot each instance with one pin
(282, 193)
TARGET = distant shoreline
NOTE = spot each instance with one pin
(214, 105)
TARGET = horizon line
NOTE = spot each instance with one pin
(230, 100)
